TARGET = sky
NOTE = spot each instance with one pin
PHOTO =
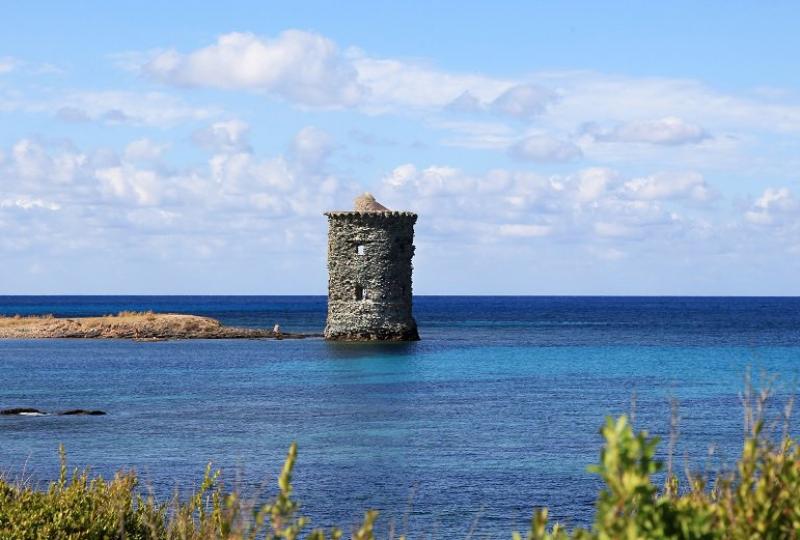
(549, 148)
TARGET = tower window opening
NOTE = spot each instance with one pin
(360, 292)
(360, 249)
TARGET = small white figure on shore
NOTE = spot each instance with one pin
(276, 329)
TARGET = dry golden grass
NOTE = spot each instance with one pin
(125, 325)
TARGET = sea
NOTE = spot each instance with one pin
(495, 412)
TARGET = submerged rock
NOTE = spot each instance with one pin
(81, 412)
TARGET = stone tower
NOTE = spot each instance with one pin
(369, 273)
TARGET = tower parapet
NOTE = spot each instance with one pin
(369, 273)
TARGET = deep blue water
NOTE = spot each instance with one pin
(495, 411)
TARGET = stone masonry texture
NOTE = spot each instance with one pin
(369, 283)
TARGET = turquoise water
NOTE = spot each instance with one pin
(495, 411)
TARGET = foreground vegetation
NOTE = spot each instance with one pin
(760, 498)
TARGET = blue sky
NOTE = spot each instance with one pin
(549, 147)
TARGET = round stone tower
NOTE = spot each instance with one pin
(369, 273)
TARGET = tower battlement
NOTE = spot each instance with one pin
(381, 214)
(369, 273)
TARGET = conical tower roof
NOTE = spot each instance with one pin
(367, 203)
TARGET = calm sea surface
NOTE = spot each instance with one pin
(495, 411)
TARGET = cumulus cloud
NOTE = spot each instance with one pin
(301, 67)
(591, 204)
(660, 186)
(226, 136)
(670, 131)
(645, 117)
(126, 182)
(593, 182)
(31, 163)
(310, 70)
(544, 148)
(773, 207)
(54, 197)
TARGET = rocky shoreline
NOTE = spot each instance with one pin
(145, 326)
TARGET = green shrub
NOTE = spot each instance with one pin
(77, 508)
(760, 498)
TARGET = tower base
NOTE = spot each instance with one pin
(397, 333)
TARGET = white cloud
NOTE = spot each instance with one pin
(302, 67)
(226, 136)
(609, 119)
(144, 150)
(309, 69)
(27, 203)
(524, 231)
(244, 174)
(55, 199)
(31, 162)
(430, 182)
(669, 131)
(773, 207)
(130, 204)
(660, 186)
(544, 148)
(589, 205)
(143, 187)
(586, 96)
(592, 183)
(523, 101)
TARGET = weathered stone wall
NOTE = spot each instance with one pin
(381, 275)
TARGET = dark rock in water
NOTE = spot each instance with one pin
(25, 411)
(22, 411)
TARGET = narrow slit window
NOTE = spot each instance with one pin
(360, 249)
(359, 292)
